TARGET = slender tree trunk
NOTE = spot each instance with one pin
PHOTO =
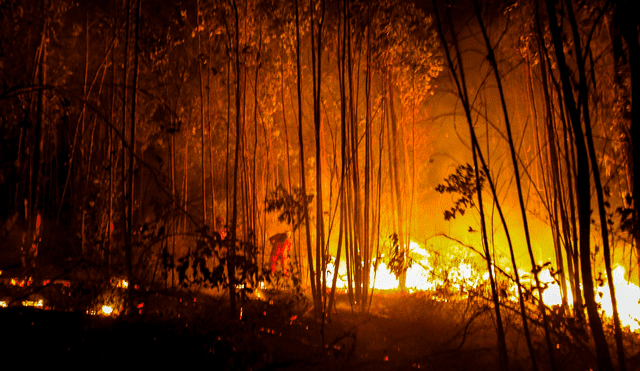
(132, 200)
(464, 96)
(112, 162)
(203, 173)
(604, 227)
(626, 16)
(366, 248)
(312, 274)
(126, 227)
(316, 59)
(34, 215)
(85, 87)
(397, 177)
(234, 217)
(514, 159)
(584, 196)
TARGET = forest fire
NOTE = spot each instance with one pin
(107, 310)
(627, 293)
(152, 153)
(628, 296)
(420, 277)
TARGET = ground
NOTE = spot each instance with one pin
(276, 332)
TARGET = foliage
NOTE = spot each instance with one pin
(399, 261)
(205, 264)
(628, 223)
(462, 183)
(290, 206)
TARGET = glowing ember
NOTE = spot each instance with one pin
(33, 303)
(3, 304)
(122, 284)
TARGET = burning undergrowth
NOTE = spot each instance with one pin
(275, 329)
(443, 320)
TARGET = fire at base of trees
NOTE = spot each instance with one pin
(466, 150)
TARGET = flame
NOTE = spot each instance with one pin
(628, 297)
(418, 273)
(107, 310)
(420, 277)
(552, 295)
(33, 303)
(121, 283)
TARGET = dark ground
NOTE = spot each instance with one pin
(276, 332)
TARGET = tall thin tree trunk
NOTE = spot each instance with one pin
(203, 172)
(514, 159)
(312, 274)
(460, 81)
(316, 62)
(397, 179)
(626, 16)
(584, 196)
(132, 200)
(234, 216)
(604, 227)
(35, 189)
(126, 227)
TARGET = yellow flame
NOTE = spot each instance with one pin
(122, 283)
(419, 277)
(33, 303)
(382, 279)
(627, 296)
